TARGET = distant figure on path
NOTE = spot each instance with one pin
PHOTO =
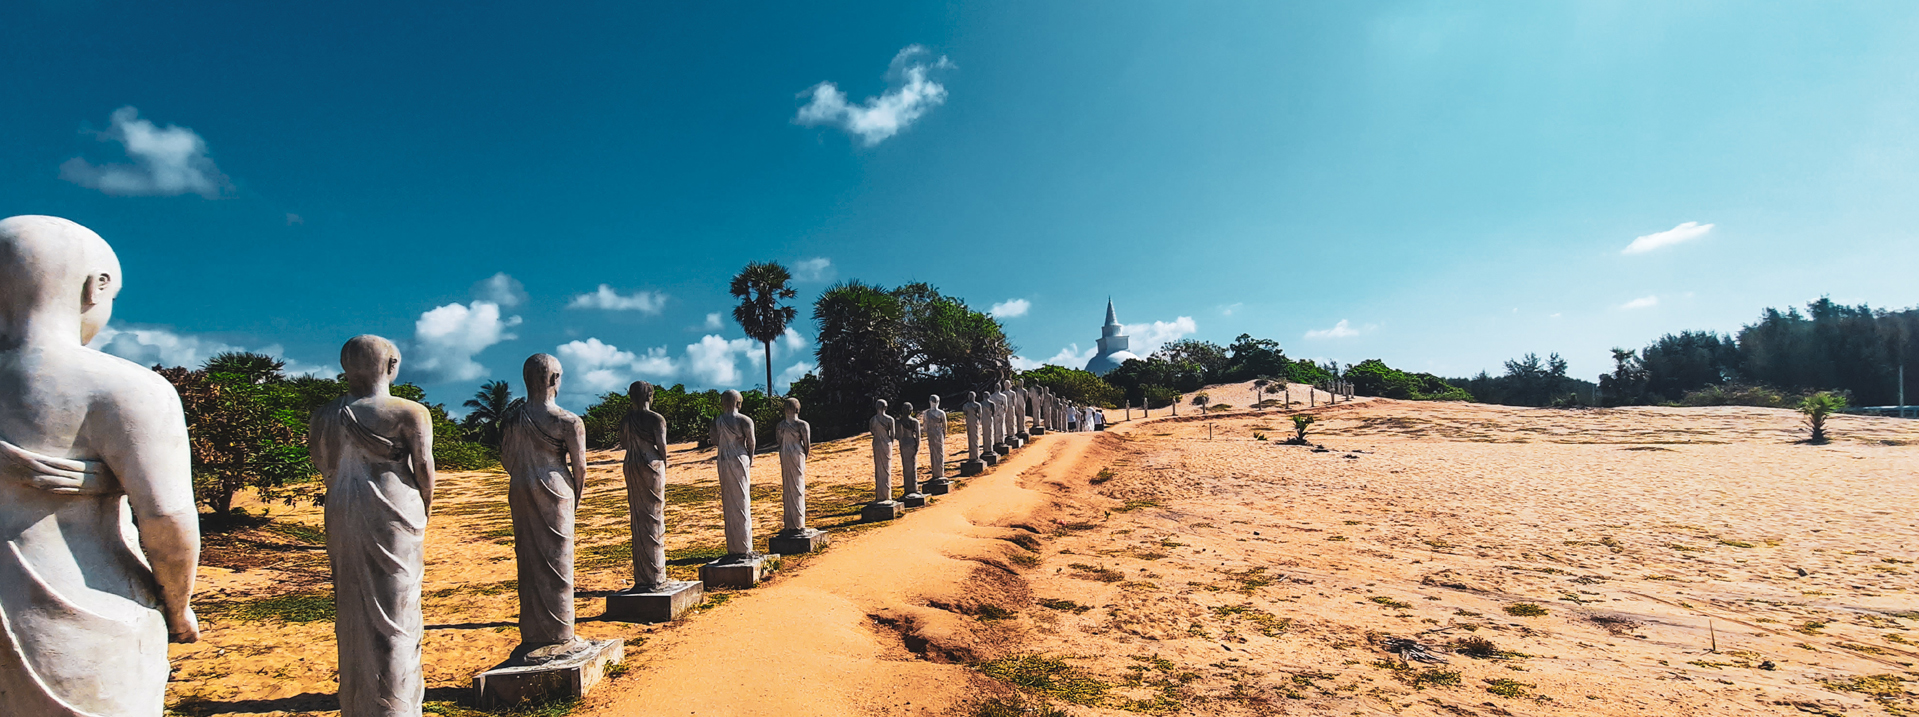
(543, 448)
(85, 439)
(375, 452)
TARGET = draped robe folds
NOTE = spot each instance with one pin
(935, 429)
(735, 465)
(376, 540)
(83, 634)
(645, 471)
(792, 438)
(908, 429)
(540, 494)
(882, 459)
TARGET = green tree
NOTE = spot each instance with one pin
(487, 411)
(238, 439)
(1817, 408)
(1076, 385)
(760, 287)
(246, 367)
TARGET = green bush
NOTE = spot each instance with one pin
(1373, 377)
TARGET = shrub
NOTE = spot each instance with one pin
(1818, 407)
(1300, 423)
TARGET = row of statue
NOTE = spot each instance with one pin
(87, 614)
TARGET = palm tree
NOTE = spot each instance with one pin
(760, 287)
(491, 405)
(254, 368)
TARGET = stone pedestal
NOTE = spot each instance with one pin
(794, 542)
(743, 571)
(516, 682)
(987, 458)
(1003, 449)
(913, 500)
(972, 468)
(1025, 437)
(941, 486)
(1039, 431)
(663, 605)
(882, 511)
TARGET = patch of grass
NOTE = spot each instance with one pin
(1267, 623)
(1104, 474)
(1874, 685)
(616, 669)
(1683, 548)
(989, 613)
(293, 608)
(1016, 706)
(1336, 538)
(1810, 627)
(1047, 676)
(610, 555)
(693, 555)
(1868, 649)
(1025, 541)
(1064, 606)
(1250, 579)
(300, 531)
(1093, 572)
(1508, 688)
(1525, 609)
(558, 708)
(1615, 625)
(1437, 543)
(1024, 560)
(1133, 505)
(1735, 543)
(1389, 602)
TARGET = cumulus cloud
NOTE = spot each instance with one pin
(645, 302)
(1684, 232)
(1147, 338)
(1228, 309)
(1069, 357)
(713, 322)
(818, 268)
(1343, 329)
(166, 161)
(1643, 302)
(446, 338)
(152, 346)
(594, 367)
(501, 289)
(1010, 308)
(910, 93)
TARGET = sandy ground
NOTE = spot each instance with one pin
(1154, 570)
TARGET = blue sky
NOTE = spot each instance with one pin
(1439, 185)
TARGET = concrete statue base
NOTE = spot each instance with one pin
(738, 571)
(913, 500)
(1003, 449)
(1039, 431)
(794, 542)
(1025, 437)
(663, 605)
(560, 674)
(988, 458)
(882, 511)
(939, 486)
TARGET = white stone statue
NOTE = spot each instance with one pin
(643, 435)
(995, 442)
(935, 427)
(882, 427)
(93, 455)
(376, 453)
(733, 440)
(796, 445)
(1023, 399)
(907, 430)
(973, 412)
(543, 448)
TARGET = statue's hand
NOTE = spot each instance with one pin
(184, 627)
(55, 475)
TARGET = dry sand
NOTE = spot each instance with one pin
(1169, 573)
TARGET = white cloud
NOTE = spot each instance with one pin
(713, 322)
(1069, 357)
(167, 161)
(1643, 302)
(1341, 330)
(500, 289)
(1684, 232)
(645, 302)
(446, 338)
(595, 367)
(1010, 308)
(1147, 338)
(910, 93)
(818, 268)
(150, 346)
(1228, 309)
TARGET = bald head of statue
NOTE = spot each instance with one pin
(57, 281)
(370, 362)
(542, 375)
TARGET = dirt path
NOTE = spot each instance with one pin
(841, 637)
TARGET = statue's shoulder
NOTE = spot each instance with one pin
(124, 383)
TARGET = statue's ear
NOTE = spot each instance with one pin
(98, 287)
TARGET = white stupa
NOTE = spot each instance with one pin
(1112, 345)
